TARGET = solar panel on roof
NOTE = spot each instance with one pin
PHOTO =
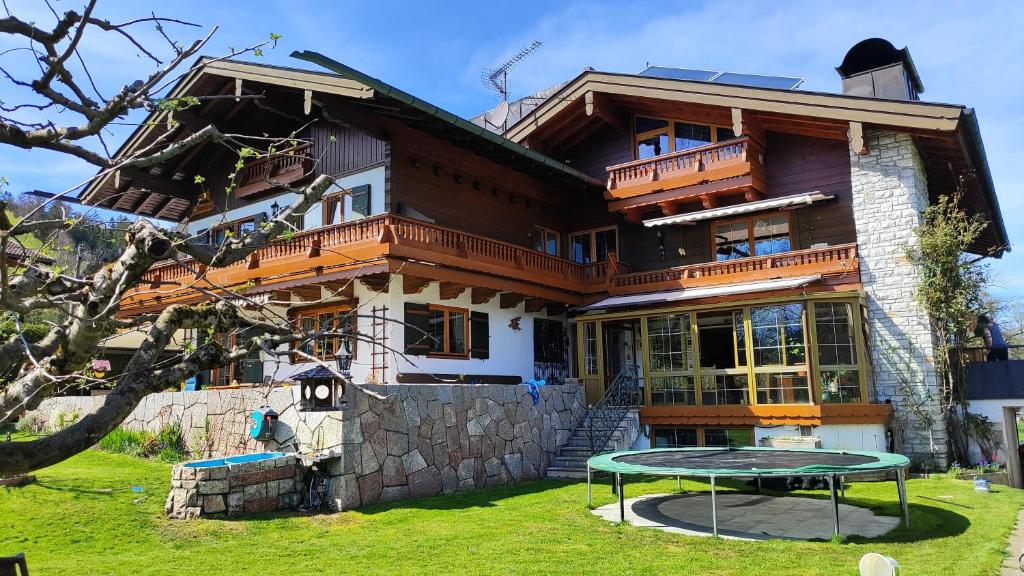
(679, 73)
(758, 81)
(752, 80)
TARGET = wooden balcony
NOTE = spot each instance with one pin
(278, 169)
(735, 165)
(840, 260)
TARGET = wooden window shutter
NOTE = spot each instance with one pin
(480, 335)
(360, 201)
(417, 327)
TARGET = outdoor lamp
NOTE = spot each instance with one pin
(344, 360)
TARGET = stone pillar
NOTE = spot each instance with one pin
(890, 192)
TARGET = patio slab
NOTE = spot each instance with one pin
(748, 516)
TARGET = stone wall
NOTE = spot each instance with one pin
(420, 440)
(390, 441)
(235, 488)
(890, 193)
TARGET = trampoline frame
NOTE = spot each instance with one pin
(834, 474)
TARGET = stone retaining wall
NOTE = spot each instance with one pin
(391, 441)
(234, 489)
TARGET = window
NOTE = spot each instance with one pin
(728, 437)
(675, 438)
(590, 348)
(333, 205)
(837, 352)
(657, 136)
(445, 331)
(723, 357)
(217, 235)
(780, 354)
(548, 340)
(545, 240)
(757, 236)
(670, 355)
(592, 246)
(336, 320)
(248, 370)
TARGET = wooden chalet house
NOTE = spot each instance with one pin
(737, 240)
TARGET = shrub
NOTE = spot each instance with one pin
(167, 445)
(31, 423)
(64, 419)
(124, 441)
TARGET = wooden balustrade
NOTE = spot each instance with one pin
(829, 260)
(718, 161)
(277, 169)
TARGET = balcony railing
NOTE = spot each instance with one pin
(278, 169)
(729, 159)
(838, 259)
(355, 244)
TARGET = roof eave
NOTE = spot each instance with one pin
(979, 160)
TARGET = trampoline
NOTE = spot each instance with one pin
(715, 463)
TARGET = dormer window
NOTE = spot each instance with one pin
(657, 136)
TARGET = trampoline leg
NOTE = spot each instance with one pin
(714, 510)
(622, 498)
(835, 502)
(679, 483)
(842, 487)
(901, 487)
(590, 497)
(758, 483)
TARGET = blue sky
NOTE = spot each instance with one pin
(966, 52)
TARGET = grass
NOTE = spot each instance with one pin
(81, 517)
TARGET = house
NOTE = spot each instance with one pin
(733, 241)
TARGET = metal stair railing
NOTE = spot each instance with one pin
(605, 417)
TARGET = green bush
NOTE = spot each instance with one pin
(167, 445)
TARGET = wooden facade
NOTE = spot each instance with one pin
(481, 214)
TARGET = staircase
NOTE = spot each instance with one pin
(571, 461)
(611, 424)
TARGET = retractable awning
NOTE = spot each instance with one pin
(673, 296)
(746, 208)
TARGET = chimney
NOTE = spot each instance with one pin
(876, 69)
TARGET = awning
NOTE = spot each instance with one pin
(746, 208)
(701, 292)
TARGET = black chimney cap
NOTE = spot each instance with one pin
(875, 53)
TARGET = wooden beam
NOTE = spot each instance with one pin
(159, 184)
(414, 284)
(451, 290)
(510, 299)
(556, 309)
(340, 288)
(534, 305)
(376, 282)
(309, 293)
(857, 142)
(482, 295)
(737, 121)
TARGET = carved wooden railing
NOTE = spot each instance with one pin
(829, 260)
(278, 169)
(686, 166)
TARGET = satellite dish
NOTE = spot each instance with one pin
(873, 564)
(499, 115)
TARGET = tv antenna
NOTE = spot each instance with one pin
(497, 78)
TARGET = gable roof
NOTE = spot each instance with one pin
(340, 82)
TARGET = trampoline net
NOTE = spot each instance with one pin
(726, 459)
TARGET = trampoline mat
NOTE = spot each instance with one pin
(740, 460)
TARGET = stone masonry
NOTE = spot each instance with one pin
(235, 489)
(890, 193)
(386, 442)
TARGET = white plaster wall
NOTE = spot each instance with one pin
(313, 219)
(834, 436)
(889, 194)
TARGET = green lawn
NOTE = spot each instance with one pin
(82, 518)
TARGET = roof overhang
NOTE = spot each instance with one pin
(783, 203)
(686, 294)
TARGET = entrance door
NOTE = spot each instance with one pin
(622, 348)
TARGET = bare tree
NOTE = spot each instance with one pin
(33, 371)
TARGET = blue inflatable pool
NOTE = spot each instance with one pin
(241, 459)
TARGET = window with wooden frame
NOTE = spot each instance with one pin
(546, 240)
(779, 351)
(336, 319)
(670, 360)
(694, 436)
(248, 370)
(838, 358)
(333, 209)
(754, 236)
(656, 136)
(724, 378)
(589, 246)
(216, 235)
(446, 332)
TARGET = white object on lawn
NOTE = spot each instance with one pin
(874, 564)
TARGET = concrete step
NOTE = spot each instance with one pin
(568, 473)
(576, 451)
(570, 462)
